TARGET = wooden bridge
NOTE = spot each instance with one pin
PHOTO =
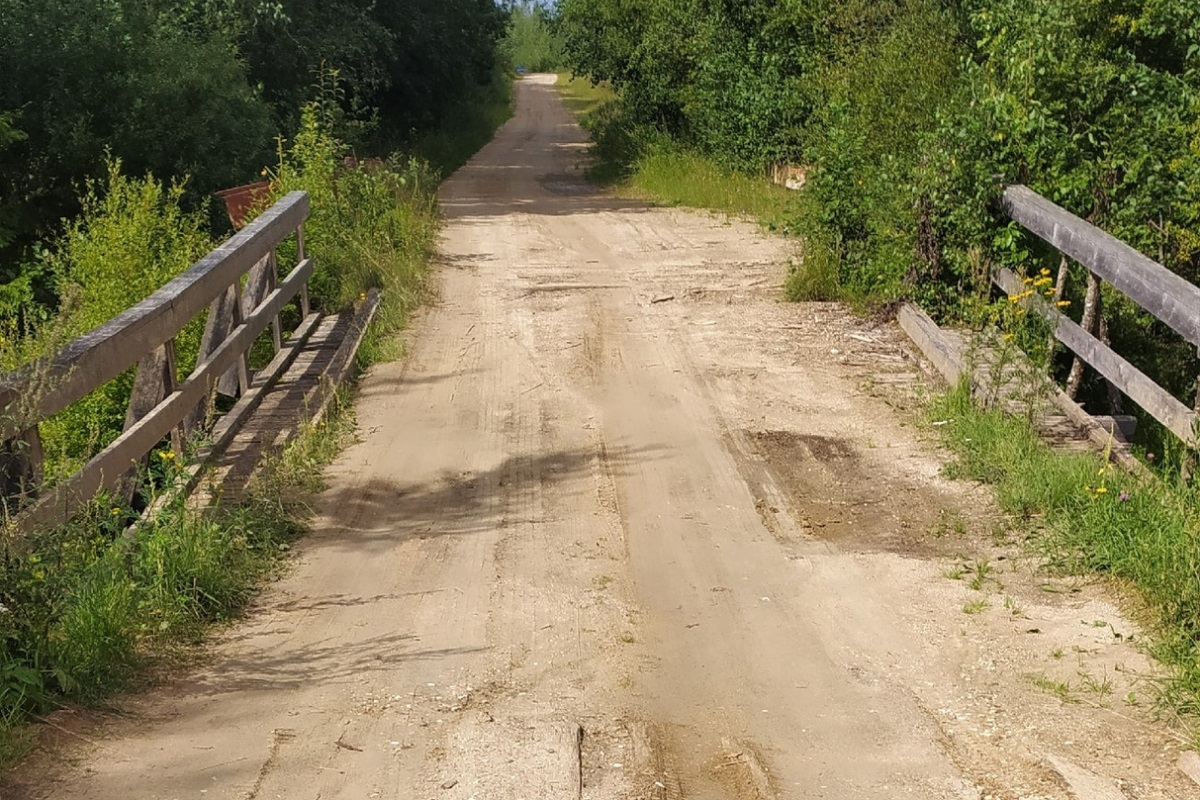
(239, 290)
(1168, 297)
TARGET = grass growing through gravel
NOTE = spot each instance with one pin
(1086, 517)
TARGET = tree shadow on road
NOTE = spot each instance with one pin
(379, 515)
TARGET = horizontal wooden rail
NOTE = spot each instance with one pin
(1152, 286)
(1157, 401)
(67, 498)
(1167, 296)
(104, 353)
(163, 403)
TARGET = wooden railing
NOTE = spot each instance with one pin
(1167, 296)
(163, 403)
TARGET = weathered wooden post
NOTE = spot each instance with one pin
(216, 330)
(304, 306)
(242, 363)
(21, 468)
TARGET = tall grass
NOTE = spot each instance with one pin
(680, 178)
(1086, 517)
(640, 162)
(88, 611)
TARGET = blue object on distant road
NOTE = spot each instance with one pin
(521, 69)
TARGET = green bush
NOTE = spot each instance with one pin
(89, 81)
(370, 227)
(531, 40)
(131, 237)
(879, 92)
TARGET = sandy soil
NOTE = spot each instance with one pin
(626, 525)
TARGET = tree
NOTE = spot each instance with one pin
(532, 40)
(89, 79)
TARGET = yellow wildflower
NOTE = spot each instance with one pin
(1063, 303)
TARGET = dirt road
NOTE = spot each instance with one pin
(625, 525)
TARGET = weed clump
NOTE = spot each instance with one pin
(87, 608)
(1086, 517)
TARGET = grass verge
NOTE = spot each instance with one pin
(89, 610)
(1086, 517)
(680, 178)
(644, 164)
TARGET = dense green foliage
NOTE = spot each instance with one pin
(200, 89)
(907, 110)
(532, 40)
(908, 115)
(84, 80)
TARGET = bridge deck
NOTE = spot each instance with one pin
(287, 405)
